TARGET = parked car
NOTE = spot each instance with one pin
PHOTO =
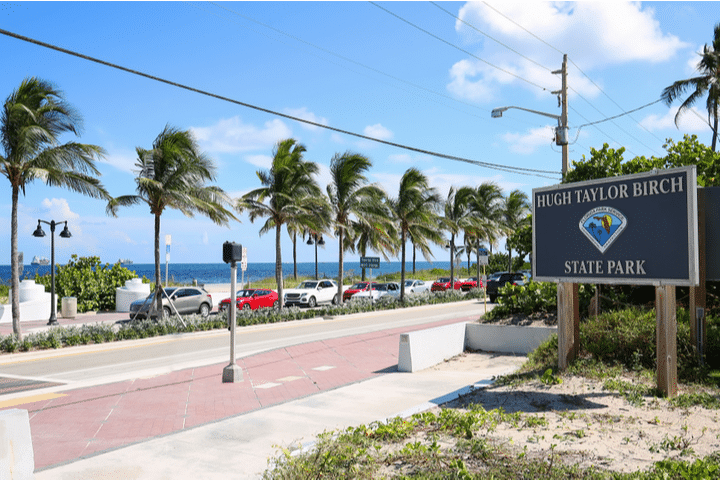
(493, 286)
(470, 283)
(443, 283)
(358, 287)
(252, 299)
(311, 293)
(379, 290)
(187, 300)
(416, 286)
(459, 282)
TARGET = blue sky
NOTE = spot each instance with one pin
(351, 65)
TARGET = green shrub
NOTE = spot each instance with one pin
(90, 282)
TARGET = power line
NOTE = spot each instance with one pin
(461, 49)
(493, 39)
(586, 76)
(505, 168)
(344, 58)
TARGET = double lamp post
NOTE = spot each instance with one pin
(39, 232)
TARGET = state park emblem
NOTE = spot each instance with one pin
(602, 226)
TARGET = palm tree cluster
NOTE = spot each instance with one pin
(363, 217)
(174, 173)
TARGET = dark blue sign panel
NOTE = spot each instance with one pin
(637, 229)
(370, 262)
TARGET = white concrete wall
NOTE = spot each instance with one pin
(424, 348)
(17, 460)
(505, 338)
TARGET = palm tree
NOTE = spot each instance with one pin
(353, 202)
(485, 205)
(173, 174)
(33, 119)
(415, 210)
(514, 208)
(707, 82)
(458, 216)
(288, 192)
(379, 236)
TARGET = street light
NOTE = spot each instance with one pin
(318, 240)
(39, 232)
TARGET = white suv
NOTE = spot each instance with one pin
(311, 292)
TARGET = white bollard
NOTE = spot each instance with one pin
(17, 460)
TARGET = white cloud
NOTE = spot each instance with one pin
(692, 120)
(378, 131)
(262, 161)
(58, 208)
(231, 135)
(595, 34)
(123, 161)
(306, 115)
(527, 143)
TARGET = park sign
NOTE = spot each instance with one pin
(370, 262)
(633, 229)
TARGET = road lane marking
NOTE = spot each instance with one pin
(30, 399)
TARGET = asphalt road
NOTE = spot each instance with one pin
(79, 366)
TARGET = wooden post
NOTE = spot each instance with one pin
(568, 323)
(666, 334)
(698, 294)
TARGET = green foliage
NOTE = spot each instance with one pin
(521, 239)
(90, 282)
(608, 162)
(549, 379)
(534, 297)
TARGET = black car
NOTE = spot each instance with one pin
(494, 285)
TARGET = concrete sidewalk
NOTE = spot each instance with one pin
(240, 447)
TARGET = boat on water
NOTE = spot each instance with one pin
(39, 261)
(125, 261)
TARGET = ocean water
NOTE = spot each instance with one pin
(206, 273)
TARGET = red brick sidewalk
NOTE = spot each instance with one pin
(77, 423)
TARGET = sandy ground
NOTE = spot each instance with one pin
(590, 426)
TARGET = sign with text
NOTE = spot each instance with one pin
(635, 229)
(370, 262)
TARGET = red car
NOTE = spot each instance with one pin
(358, 287)
(441, 284)
(252, 298)
(469, 284)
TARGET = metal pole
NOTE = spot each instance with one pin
(316, 267)
(53, 305)
(232, 373)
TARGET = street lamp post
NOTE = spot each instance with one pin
(317, 240)
(39, 232)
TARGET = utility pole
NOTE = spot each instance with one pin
(567, 293)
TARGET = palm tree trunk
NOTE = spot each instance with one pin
(477, 252)
(413, 258)
(402, 266)
(715, 131)
(340, 266)
(158, 285)
(278, 265)
(294, 238)
(14, 267)
(452, 261)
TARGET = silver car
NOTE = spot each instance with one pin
(187, 300)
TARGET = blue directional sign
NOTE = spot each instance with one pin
(636, 229)
(369, 262)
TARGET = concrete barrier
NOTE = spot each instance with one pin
(34, 303)
(505, 338)
(424, 348)
(17, 460)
